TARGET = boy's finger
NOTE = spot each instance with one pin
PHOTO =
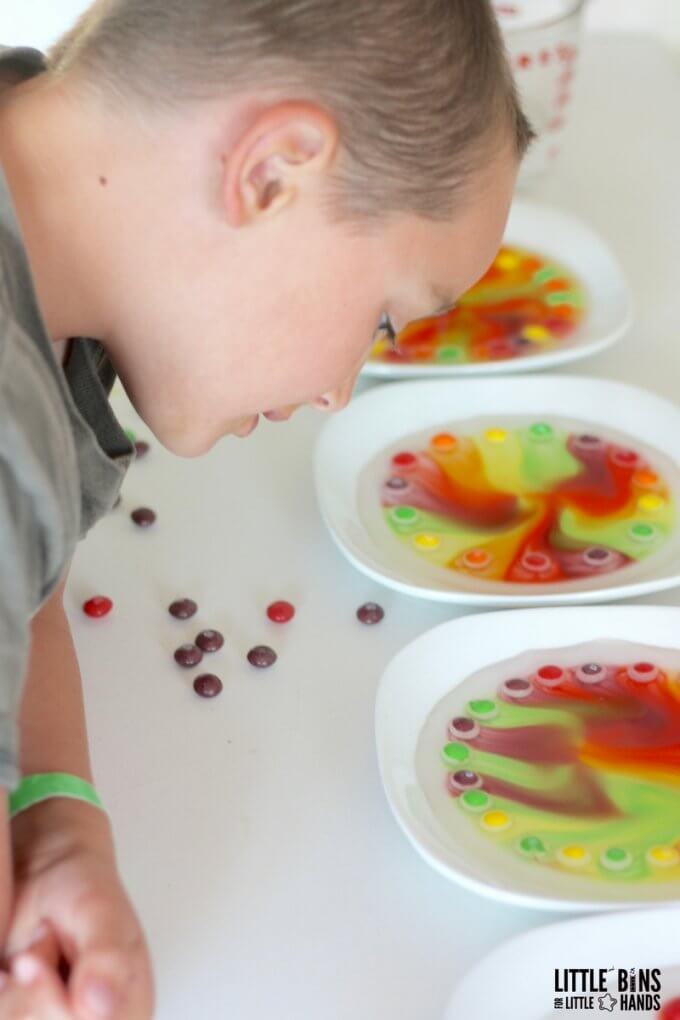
(43, 944)
(32, 989)
(110, 975)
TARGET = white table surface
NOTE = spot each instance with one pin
(252, 831)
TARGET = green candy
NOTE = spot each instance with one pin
(540, 430)
(475, 800)
(405, 515)
(565, 297)
(532, 845)
(483, 708)
(455, 754)
(132, 436)
(643, 532)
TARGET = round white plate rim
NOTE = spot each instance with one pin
(523, 207)
(638, 929)
(658, 624)
(376, 405)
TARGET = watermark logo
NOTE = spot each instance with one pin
(634, 990)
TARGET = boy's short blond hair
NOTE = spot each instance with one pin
(421, 89)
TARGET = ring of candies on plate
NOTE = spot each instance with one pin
(534, 503)
(574, 767)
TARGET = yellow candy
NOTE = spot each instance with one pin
(663, 856)
(496, 820)
(650, 502)
(506, 260)
(426, 541)
(539, 334)
(496, 435)
(573, 854)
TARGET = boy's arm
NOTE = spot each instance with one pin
(53, 735)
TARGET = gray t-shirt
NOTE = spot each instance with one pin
(63, 454)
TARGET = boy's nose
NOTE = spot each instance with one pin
(338, 398)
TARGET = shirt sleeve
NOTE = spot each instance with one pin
(19, 573)
(38, 483)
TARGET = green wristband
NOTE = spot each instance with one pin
(33, 789)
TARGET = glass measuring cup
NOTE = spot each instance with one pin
(542, 38)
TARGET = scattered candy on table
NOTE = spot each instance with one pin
(182, 609)
(209, 640)
(188, 655)
(370, 613)
(262, 656)
(143, 517)
(207, 685)
(670, 1010)
(281, 612)
(98, 605)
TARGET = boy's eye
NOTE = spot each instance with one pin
(386, 330)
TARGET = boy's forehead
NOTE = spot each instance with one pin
(454, 253)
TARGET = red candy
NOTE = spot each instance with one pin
(98, 606)
(281, 612)
(403, 460)
(670, 1010)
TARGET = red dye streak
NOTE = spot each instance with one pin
(580, 796)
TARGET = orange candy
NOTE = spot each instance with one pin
(443, 441)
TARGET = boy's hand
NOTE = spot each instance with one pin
(66, 875)
(34, 989)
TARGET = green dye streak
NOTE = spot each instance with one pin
(565, 297)
(449, 354)
(548, 462)
(545, 274)
(650, 815)
(618, 534)
(455, 536)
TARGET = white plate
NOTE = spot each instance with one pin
(384, 416)
(434, 664)
(517, 980)
(554, 234)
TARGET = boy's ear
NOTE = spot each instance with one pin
(285, 147)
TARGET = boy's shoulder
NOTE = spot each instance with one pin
(61, 416)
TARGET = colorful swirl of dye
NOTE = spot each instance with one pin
(576, 768)
(533, 505)
(524, 305)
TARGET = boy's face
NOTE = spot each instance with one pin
(262, 314)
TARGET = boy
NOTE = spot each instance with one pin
(227, 195)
